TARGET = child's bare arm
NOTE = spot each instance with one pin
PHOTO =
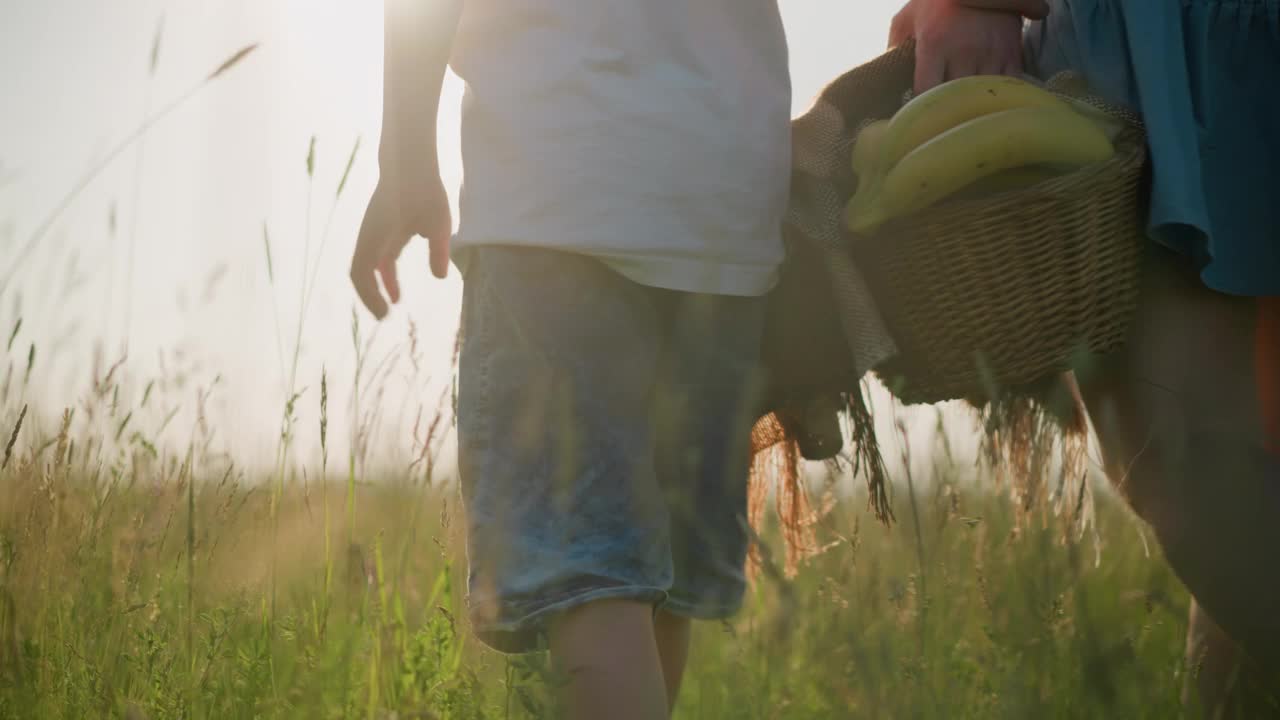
(418, 40)
(410, 198)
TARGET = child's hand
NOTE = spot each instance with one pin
(394, 216)
(956, 38)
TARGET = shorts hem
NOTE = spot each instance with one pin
(527, 633)
(696, 611)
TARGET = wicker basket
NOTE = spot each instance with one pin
(1000, 292)
(983, 299)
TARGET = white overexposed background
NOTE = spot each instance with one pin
(163, 254)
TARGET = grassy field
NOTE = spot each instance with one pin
(143, 586)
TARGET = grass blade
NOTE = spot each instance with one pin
(31, 363)
(13, 438)
(123, 424)
(266, 244)
(351, 160)
(231, 62)
(155, 47)
(13, 335)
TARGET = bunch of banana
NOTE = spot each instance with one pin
(962, 132)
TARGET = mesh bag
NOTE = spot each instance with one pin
(985, 299)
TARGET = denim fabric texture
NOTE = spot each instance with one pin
(603, 440)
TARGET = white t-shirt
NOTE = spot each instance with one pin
(652, 134)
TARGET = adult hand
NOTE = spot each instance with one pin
(394, 216)
(956, 38)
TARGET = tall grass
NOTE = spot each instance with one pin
(150, 598)
(140, 583)
(142, 580)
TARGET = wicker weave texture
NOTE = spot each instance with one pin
(1000, 292)
(978, 294)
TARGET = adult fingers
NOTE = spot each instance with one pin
(1001, 62)
(1012, 66)
(1010, 60)
(963, 65)
(1030, 9)
(902, 27)
(931, 68)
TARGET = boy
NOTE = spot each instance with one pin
(626, 170)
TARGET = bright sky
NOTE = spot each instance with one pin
(193, 198)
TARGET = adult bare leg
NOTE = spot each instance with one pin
(1178, 420)
(1213, 662)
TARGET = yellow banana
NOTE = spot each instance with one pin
(974, 150)
(952, 103)
(1018, 178)
(866, 149)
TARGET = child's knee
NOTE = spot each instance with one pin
(598, 622)
(603, 637)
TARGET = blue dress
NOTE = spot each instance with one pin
(1205, 75)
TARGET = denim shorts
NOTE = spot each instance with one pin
(603, 441)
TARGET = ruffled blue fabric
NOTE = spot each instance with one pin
(1205, 75)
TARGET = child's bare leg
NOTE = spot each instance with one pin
(672, 632)
(607, 652)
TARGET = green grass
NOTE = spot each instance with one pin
(146, 591)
